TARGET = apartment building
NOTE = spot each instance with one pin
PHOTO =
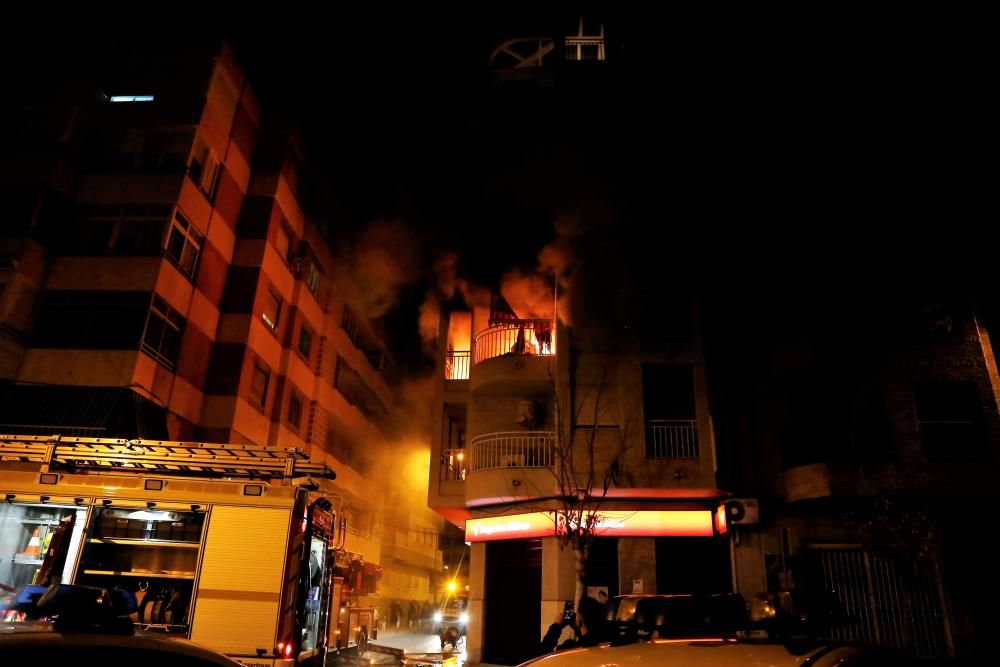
(161, 280)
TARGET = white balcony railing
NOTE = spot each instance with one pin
(456, 365)
(516, 338)
(528, 449)
(671, 439)
(453, 465)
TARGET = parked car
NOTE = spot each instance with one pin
(81, 625)
(715, 652)
(636, 617)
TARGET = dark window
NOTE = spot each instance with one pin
(305, 341)
(668, 391)
(949, 419)
(204, 168)
(258, 384)
(350, 326)
(295, 410)
(184, 245)
(162, 338)
(312, 278)
(133, 230)
(156, 148)
(283, 242)
(104, 320)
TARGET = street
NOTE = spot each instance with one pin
(421, 648)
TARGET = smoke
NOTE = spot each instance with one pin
(447, 283)
(383, 260)
(530, 295)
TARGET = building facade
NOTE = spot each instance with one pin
(161, 280)
(871, 451)
(520, 400)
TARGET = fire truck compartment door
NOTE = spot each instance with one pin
(236, 605)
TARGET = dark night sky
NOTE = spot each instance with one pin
(778, 158)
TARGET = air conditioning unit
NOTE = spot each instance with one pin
(742, 511)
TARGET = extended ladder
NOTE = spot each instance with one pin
(161, 457)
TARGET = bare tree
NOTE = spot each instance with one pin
(585, 468)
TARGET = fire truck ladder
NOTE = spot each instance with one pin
(161, 457)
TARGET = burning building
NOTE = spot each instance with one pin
(631, 427)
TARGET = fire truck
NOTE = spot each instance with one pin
(231, 546)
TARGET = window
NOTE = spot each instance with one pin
(184, 245)
(350, 326)
(158, 148)
(295, 410)
(203, 168)
(162, 337)
(312, 278)
(100, 320)
(272, 310)
(668, 402)
(283, 242)
(132, 230)
(258, 384)
(949, 419)
(305, 341)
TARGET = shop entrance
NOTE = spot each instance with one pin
(693, 565)
(512, 605)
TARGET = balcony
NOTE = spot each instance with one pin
(672, 439)
(453, 465)
(456, 365)
(514, 449)
(516, 338)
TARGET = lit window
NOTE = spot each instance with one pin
(272, 310)
(184, 244)
(132, 98)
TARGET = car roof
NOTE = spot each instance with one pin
(695, 653)
(40, 637)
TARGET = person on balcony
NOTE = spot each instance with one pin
(519, 346)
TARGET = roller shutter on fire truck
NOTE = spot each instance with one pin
(240, 584)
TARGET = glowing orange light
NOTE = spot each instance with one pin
(720, 520)
(461, 456)
(451, 585)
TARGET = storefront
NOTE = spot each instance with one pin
(521, 576)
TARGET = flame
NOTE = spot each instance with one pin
(460, 331)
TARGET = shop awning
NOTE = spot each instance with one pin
(89, 412)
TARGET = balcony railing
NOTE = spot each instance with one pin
(527, 449)
(672, 439)
(456, 365)
(516, 338)
(453, 465)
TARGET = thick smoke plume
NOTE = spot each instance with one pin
(382, 261)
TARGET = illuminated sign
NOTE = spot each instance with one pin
(612, 523)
